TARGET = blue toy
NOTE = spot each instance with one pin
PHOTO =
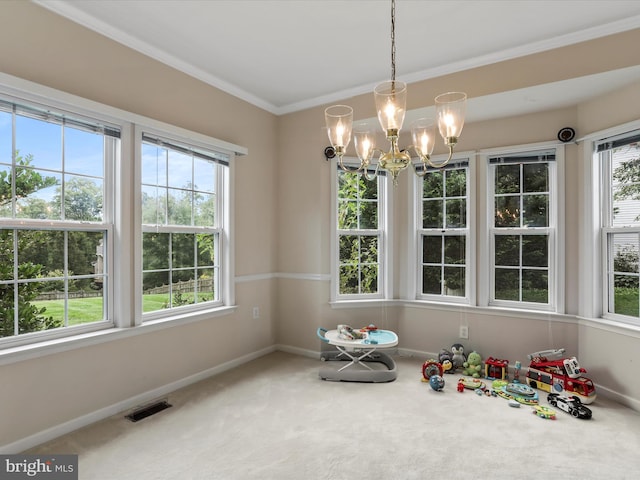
(436, 382)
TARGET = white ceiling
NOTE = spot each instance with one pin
(287, 55)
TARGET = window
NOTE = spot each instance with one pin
(443, 232)
(620, 162)
(182, 224)
(360, 237)
(523, 229)
(55, 220)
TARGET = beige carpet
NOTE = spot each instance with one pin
(274, 419)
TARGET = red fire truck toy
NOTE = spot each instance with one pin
(552, 372)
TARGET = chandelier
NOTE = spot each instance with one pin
(391, 99)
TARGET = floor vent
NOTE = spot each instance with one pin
(148, 410)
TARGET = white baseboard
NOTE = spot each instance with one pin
(298, 351)
(128, 404)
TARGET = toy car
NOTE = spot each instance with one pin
(571, 405)
(544, 412)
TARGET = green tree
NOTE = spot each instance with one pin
(30, 318)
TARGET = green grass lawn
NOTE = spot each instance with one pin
(86, 310)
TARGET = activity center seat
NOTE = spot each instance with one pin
(360, 352)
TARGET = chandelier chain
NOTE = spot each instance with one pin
(393, 40)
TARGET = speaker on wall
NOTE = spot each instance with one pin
(566, 134)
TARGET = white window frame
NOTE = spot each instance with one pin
(124, 254)
(415, 247)
(111, 295)
(384, 247)
(555, 230)
(602, 167)
(224, 208)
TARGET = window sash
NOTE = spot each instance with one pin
(620, 238)
(175, 300)
(524, 274)
(360, 268)
(448, 282)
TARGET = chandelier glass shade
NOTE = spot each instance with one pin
(391, 103)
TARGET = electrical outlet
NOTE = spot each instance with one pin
(256, 312)
(464, 332)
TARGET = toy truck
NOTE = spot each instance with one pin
(551, 371)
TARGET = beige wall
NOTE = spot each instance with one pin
(282, 224)
(41, 47)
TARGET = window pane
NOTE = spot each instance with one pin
(85, 306)
(507, 284)
(6, 254)
(368, 189)
(6, 207)
(153, 211)
(349, 279)
(204, 174)
(432, 185)
(454, 249)
(204, 209)
(7, 322)
(40, 140)
(507, 250)
(182, 288)
(431, 280)
(535, 286)
(347, 214)
(206, 250)
(31, 317)
(507, 213)
(155, 291)
(83, 199)
(182, 246)
(535, 251)
(83, 152)
(155, 251)
(206, 285)
(38, 194)
(625, 184)
(154, 165)
(369, 215)
(454, 281)
(626, 295)
(6, 134)
(432, 214)
(535, 177)
(368, 249)
(432, 249)
(369, 279)
(536, 210)
(456, 183)
(179, 207)
(84, 251)
(40, 254)
(507, 179)
(349, 246)
(625, 248)
(179, 170)
(456, 213)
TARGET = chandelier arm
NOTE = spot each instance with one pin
(424, 171)
(373, 176)
(440, 165)
(363, 166)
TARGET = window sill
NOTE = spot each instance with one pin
(59, 345)
(613, 326)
